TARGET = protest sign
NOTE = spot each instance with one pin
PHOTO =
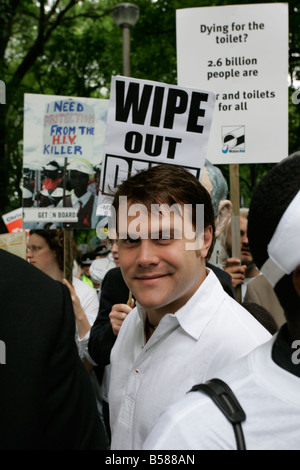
(241, 53)
(150, 123)
(15, 243)
(13, 220)
(69, 129)
(63, 143)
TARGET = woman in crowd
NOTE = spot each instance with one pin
(45, 250)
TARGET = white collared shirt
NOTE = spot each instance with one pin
(268, 394)
(90, 303)
(188, 347)
(84, 199)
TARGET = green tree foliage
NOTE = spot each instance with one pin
(72, 48)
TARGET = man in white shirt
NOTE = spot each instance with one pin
(185, 327)
(266, 381)
(80, 175)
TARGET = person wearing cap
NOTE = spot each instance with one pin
(266, 382)
(98, 269)
(101, 251)
(80, 174)
(27, 197)
(58, 194)
(46, 199)
(86, 261)
(52, 179)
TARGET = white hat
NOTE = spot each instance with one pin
(59, 192)
(50, 167)
(283, 248)
(99, 268)
(82, 165)
(26, 193)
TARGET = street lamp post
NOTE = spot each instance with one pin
(126, 16)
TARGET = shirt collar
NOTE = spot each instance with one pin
(84, 199)
(199, 309)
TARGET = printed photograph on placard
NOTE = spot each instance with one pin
(63, 150)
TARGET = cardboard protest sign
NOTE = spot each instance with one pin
(15, 243)
(13, 220)
(63, 147)
(241, 53)
(151, 123)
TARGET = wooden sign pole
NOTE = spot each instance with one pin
(68, 235)
(235, 219)
(68, 255)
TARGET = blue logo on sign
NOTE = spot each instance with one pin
(225, 149)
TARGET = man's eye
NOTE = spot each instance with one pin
(129, 241)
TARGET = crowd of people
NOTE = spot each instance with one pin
(112, 359)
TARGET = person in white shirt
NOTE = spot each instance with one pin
(266, 381)
(80, 175)
(184, 327)
(45, 250)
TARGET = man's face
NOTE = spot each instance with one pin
(86, 269)
(115, 251)
(52, 174)
(161, 273)
(79, 182)
(246, 256)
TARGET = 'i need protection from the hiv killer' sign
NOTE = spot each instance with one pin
(63, 147)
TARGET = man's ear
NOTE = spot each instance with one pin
(207, 241)
(224, 214)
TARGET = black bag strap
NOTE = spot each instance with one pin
(225, 399)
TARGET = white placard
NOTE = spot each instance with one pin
(151, 123)
(76, 121)
(241, 53)
(60, 129)
(44, 214)
(69, 129)
(13, 220)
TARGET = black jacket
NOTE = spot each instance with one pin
(113, 291)
(46, 397)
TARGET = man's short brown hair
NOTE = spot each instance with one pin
(168, 184)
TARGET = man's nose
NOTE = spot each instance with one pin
(244, 239)
(147, 253)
